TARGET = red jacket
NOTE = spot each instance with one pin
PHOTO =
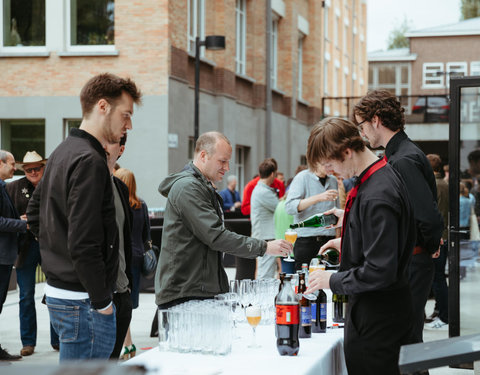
(247, 192)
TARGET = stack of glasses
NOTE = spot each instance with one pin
(196, 326)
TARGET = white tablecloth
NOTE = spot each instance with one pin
(320, 355)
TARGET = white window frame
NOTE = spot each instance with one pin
(198, 16)
(274, 49)
(81, 48)
(241, 36)
(429, 71)
(301, 39)
(21, 49)
(475, 68)
(458, 67)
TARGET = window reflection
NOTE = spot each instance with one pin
(23, 23)
(92, 22)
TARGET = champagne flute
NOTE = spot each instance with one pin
(290, 236)
(254, 315)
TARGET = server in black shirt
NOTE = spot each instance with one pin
(381, 119)
(378, 236)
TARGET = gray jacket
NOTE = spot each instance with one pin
(194, 238)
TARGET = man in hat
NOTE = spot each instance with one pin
(28, 259)
(10, 226)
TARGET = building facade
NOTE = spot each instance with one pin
(50, 48)
(421, 74)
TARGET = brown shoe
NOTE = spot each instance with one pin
(27, 350)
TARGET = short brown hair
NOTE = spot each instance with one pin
(383, 104)
(267, 167)
(208, 141)
(109, 87)
(435, 162)
(330, 138)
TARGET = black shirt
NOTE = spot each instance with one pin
(379, 237)
(412, 164)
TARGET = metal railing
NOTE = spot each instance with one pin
(418, 108)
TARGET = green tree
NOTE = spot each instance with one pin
(470, 9)
(396, 38)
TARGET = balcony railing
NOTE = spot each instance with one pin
(418, 108)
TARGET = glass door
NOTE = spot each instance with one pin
(464, 212)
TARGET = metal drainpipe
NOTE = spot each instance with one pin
(268, 83)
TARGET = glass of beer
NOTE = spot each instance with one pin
(290, 236)
(254, 315)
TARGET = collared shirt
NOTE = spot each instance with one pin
(304, 185)
(412, 164)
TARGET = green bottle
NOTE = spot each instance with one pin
(318, 220)
(330, 256)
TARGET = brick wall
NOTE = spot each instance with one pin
(141, 38)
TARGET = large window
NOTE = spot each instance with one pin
(23, 23)
(325, 75)
(393, 77)
(475, 68)
(456, 69)
(433, 75)
(300, 65)
(274, 53)
(196, 24)
(241, 35)
(241, 155)
(20, 136)
(92, 23)
(69, 125)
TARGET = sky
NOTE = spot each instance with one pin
(385, 15)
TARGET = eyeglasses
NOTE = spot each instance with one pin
(34, 169)
(360, 124)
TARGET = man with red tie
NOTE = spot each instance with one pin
(378, 236)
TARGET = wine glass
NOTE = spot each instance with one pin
(254, 315)
(290, 236)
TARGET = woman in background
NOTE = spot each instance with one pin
(140, 235)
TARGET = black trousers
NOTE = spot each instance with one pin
(439, 286)
(306, 248)
(123, 314)
(420, 274)
(245, 268)
(377, 325)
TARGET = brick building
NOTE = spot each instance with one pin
(422, 72)
(50, 48)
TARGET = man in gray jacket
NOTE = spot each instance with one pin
(194, 235)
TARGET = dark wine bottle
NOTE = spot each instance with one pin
(318, 220)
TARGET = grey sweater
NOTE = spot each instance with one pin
(304, 185)
(263, 203)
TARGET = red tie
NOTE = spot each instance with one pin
(353, 193)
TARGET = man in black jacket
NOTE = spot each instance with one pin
(378, 235)
(10, 226)
(381, 119)
(72, 213)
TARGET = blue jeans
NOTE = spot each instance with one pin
(84, 332)
(26, 283)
